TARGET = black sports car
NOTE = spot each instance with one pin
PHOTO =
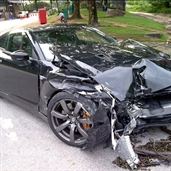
(87, 85)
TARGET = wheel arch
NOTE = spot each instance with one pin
(101, 132)
(52, 88)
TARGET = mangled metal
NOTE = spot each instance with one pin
(129, 82)
(139, 94)
(126, 152)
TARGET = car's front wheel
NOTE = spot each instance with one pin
(69, 117)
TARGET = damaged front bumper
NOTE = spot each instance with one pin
(126, 152)
(122, 143)
(120, 139)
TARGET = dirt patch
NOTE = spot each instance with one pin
(156, 158)
(161, 46)
(53, 20)
(161, 18)
(37, 23)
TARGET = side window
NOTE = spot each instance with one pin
(3, 41)
(26, 45)
(19, 41)
(14, 42)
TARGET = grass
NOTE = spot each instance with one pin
(134, 20)
(127, 26)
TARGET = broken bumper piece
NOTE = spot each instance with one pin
(126, 152)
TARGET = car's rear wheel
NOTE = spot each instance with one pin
(69, 117)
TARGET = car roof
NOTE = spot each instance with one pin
(47, 27)
(44, 27)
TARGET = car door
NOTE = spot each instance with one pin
(19, 78)
(2, 47)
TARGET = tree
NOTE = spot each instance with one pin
(6, 4)
(93, 19)
(36, 4)
(76, 6)
(159, 3)
(51, 3)
(57, 5)
(35, 1)
(120, 4)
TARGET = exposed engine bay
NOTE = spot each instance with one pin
(145, 112)
(145, 109)
(140, 97)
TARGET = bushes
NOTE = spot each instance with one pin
(141, 7)
(83, 5)
(32, 6)
(160, 10)
(153, 7)
(52, 11)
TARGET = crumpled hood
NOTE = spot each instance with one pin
(104, 56)
(113, 66)
(144, 76)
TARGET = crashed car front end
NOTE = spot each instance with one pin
(136, 101)
(144, 102)
(130, 84)
(112, 128)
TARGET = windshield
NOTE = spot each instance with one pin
(70, 37)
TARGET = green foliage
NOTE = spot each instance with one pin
(32, 6)
(135, 2)
(161, 3)
(164, 10)
(130, 2)
(83, 5)
(152, 6)
(141, 7)
(112, 6)
(52, 11)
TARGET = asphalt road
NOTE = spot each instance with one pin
(15, 23)
(28, 144)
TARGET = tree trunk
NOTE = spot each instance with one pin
(57, 5)
(105, 2)
(93, 19)
(101, 2)
(167, 4)
(6, 5)
(51, 4)
(121, 5)
(35, 1)
(76, 6)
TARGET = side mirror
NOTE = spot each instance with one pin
(20, 55)
(115, 38)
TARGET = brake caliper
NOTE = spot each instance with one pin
(85, 115)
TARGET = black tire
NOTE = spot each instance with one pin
(69, 118)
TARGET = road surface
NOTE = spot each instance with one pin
(28, 144)
(15, 23)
